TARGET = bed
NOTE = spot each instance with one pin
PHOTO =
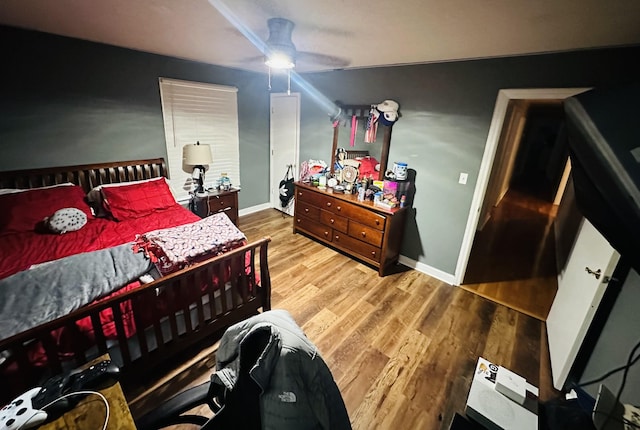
(126, 282)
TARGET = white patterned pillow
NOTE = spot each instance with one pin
(66, 219)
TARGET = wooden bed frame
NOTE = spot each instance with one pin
(352, 154)
(168, 333)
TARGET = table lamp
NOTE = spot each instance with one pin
(197, 155)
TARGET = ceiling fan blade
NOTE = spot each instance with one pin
(307, 59)
(322, 59)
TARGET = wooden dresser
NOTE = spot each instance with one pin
(360, 229)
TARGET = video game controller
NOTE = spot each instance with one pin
(52, 397)
(20, 413)
(94, 377)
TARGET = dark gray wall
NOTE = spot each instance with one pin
(65, 101)
(618, 337)
(446, 111)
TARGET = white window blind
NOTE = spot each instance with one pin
(206, 113)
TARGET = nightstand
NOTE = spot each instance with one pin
(89, 413)
(215, 202)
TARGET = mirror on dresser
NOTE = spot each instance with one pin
(353, 139)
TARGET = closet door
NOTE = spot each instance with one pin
(581, 286)
(284, 143)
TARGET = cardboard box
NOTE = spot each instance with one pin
(494, 410)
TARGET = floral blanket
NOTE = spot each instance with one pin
(174, 248)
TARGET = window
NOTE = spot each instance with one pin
(206, 113)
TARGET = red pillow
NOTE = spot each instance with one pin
(21, 212)
(138, 200)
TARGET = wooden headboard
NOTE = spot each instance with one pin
(357, 153)
(87, 175)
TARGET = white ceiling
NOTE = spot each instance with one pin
(348, 33)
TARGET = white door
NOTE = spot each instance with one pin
(580, 288)
(284, 143)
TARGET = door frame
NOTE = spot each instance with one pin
(274, 180)
(493, 138)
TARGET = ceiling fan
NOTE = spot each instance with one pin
(239, 14)
(280, 52)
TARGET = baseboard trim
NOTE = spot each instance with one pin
(428, 270)
(253, 209)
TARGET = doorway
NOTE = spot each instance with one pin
(488, 194)
(512, 259)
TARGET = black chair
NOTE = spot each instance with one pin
(238, 408)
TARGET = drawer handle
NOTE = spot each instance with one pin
(332, 221)
(339, 208)
(328, 204)
(298, 220)
(373, 253)
(326, 234)
(306, 209)
(337, 237)
(364, 234)
(377, 222)
(300, 193)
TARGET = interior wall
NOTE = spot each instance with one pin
(446, 111)
(67, 102)
(618, 337)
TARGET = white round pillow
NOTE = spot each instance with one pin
(66, 219)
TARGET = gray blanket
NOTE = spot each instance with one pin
(54, 289)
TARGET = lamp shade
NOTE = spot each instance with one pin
(196, 154)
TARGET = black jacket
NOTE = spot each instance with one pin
(275, 378)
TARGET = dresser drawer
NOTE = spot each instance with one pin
(220, 203)
(311, 197)
(216, 202)
(365, 233)
(355, 246)
(361, 215)
(335, 221)
(313, 227)
(307, 210)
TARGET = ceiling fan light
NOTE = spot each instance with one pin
(281, 52)
(279, 60)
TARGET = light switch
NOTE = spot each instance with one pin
(463, 178)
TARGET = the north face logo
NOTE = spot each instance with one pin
(287, 397)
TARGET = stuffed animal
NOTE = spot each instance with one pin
(64, 220)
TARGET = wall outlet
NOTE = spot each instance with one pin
(463, 178)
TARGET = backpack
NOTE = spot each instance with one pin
(286, 187)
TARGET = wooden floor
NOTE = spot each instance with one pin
(402, 348)
(512, 259)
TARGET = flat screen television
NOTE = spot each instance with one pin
(603, 131)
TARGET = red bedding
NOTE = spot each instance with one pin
(21, 250)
